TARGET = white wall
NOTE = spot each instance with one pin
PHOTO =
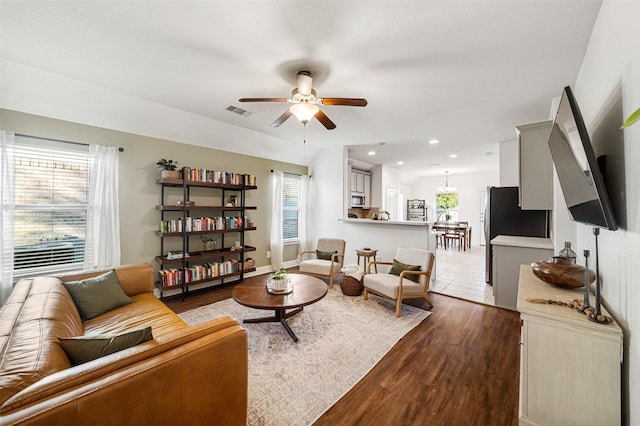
(327, 170)
(509, 163)
(609, 80)
(469, 187)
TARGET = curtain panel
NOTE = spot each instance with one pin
(7, 145)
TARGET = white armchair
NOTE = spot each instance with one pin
(325, 261)
(396, 284)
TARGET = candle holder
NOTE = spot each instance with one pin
(586, 304)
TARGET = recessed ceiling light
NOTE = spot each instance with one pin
(453, 156)
(400, 163)
(371, 153)
(488, 153)
(434, 141)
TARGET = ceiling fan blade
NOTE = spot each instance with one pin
(283, 100)
(359, 102)
(304, 82)
(326, 121)
(285, 115)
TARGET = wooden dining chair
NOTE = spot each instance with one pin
(454, 233)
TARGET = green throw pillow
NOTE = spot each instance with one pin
(325, 255)
(398, 267)
(83, 349)
(97, 295)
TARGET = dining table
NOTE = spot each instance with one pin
(455, 230)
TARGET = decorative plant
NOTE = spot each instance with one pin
(164, 164)
(384, 213)
(633, 118)
(206, 238)
(279, 274)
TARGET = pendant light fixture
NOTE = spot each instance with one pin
(447, 189)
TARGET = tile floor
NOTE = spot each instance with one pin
(461, 274)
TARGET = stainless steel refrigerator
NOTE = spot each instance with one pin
(503, 216)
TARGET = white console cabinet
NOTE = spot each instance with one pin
(569, 366)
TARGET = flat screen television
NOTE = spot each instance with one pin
(577, 167)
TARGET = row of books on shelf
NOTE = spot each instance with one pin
(214, 176)
(194, 224)
(176, 277)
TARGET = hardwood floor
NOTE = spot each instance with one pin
(460, 366)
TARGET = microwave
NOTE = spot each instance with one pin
(357, 201)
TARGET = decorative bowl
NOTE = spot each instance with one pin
(561, 273)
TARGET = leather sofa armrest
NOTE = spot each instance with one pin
(166, 347)
(203, 381)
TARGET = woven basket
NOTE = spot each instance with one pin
(350, 286)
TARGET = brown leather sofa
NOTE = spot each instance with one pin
(184, 376)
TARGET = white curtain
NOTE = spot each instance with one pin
(102, 245)
(7, 144)
(305, 209)
(276, 220)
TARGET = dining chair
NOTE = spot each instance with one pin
(451, 235)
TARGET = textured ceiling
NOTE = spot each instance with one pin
(464, 72)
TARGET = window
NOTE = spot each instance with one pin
(447, 203)
(51, 185)
(290, 207)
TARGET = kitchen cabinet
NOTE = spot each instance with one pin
(536, 166)
(360, 185)
(509, 252)
(570, 367)
(367, 191)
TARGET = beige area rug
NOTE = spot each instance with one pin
(340, 339)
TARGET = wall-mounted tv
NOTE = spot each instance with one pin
(577, 167)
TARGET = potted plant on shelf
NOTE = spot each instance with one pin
(208, 242)
(385, 215)
(169, 169)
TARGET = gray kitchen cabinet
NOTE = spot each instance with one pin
(509, 252)
(536, 166)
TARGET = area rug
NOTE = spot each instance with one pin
(340, 337)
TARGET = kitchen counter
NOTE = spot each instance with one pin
(386, 222)
(514, 241)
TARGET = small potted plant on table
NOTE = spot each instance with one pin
(279, 282)
(168, 168)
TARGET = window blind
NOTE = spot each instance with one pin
(290, 206)
(51, 201)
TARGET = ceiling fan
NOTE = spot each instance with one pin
(305, 103)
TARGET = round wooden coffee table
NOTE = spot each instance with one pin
(306, 290)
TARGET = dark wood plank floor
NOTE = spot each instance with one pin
(460, 366)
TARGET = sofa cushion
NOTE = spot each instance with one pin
(37, 311)
(147, 310)
(97, 295)
(83, 349)
(398, 267)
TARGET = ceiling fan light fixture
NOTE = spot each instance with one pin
(304, 111)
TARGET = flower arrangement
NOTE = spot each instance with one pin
(165, 164)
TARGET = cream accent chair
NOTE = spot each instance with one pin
(396, 287)
(324, 268)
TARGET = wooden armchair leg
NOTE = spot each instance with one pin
(428, 299)
(365, 295)
(398, 307)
